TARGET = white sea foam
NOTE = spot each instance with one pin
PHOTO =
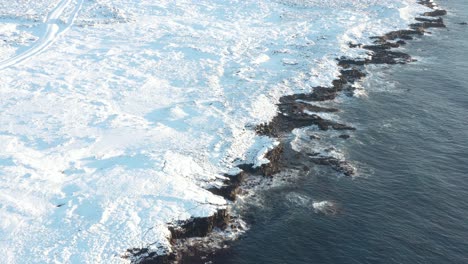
(325, 207)
(115, 122)
(298, 200)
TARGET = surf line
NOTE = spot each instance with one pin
(54, 28)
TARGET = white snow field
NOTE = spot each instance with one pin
(116, 115)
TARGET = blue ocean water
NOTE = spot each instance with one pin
(409, 203)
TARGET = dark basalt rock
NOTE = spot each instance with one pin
(430, 20)
(344, 136)
(380, 55)
(299, 108)
(351, 76)
(293, 107)
(428, 3)
(199, 226)
(406, 34)
(194, 227)
(319, 94)
(438, 12)
(390, 57)
(150, 257)
(463, 23)
(325, 124)
(274, 156)
(282, 124)
(435, 24)
(248, 168)
(347, 62)
(325, 93)
(230, 189)
(352, 45)
(380, 47)
(274, 166)
(338, 165)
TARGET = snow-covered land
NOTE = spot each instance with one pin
(116, 115)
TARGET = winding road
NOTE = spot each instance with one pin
(53, 28)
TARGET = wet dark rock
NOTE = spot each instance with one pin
(325, 93)
(269, 169)
(438, 12)
(352, 75)
(430, 20)
(265, 129)
(282, 124)
(380, 55)
(352, 45)
(319, 94)
(390, 57)
(230, 189)
(298, 108)
(338, 165)
(338, 85)
(143, 256)
(199, 226)
(463, 23)
(325, 124)
(347, 62)
(344, 136)
(380, 47)
(315, 137)
(194, 227)
(274, 166)
(248, 168)
(192, 253)
(429, 24)
(428, 3)
(406, 34)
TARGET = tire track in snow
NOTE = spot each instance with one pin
(53, 29)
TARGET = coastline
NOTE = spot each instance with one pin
(189, 237)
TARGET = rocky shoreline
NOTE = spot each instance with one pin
(195, 240)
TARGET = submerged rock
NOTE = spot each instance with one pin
(338, 165)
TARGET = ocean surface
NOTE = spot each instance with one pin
(409, 202)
